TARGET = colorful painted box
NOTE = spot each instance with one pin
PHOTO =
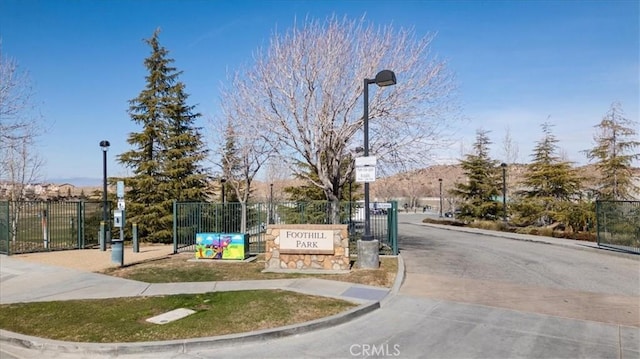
(222, 246)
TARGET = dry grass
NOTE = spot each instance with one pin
(184, 267)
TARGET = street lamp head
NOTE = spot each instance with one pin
(385, 78)
(105, 145)
(503, 165)
(223, 180)
(439, 179)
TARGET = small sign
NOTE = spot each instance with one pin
(306, 241)
(365, 174)
(365, 161)
(120, 189)
(384, 205)
(121, 204)
(118, 218)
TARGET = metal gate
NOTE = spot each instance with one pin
(36, 226)
(190, 218)
(619, 225)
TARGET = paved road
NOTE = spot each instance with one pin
(478, 296)
(521, 275)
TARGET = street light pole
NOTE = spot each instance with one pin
(440, 180)
(504, 191)
(271, 204)
(105, 228)
(368, 256)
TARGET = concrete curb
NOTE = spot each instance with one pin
(397, 283)
(45, 346)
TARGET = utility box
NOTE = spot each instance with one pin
(118, 218)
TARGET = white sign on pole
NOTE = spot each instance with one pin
(365, 161)
(365, 174)
(120, 189)
(121, 204)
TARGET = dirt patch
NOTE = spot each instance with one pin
(95, 260)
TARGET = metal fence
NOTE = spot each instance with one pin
(191, 218)
(36, 226)
(619, 225)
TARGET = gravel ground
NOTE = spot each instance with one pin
(95, 260)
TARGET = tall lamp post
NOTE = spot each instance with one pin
(441, 204)
(368, 255)
(104, 144)
(271, 204)
(504, 191)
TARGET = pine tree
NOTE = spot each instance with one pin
(231, 166)
(483, 184)
(615, 143)
(167, 152)
(548, 182)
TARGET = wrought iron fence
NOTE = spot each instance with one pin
(191, 218)
(36, 226)
(619, 225)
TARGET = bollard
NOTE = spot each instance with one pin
(103, 237)
(136, 245)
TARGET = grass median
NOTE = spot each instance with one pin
(217, 313)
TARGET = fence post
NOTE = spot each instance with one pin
(136, 244)
(175, 227)
(103, 236)
(393, 227)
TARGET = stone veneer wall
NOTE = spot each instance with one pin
(338, 261)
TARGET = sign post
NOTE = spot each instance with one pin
(117, 249)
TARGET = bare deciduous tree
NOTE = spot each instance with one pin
(242, 154)
(19, 127)
(304, 96)
(510, 149)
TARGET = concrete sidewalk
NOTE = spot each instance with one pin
(23, 281)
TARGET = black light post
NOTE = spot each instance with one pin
(104, 144)
(383, 78)
(368, 251)
(504, 191)
(271, 204)
(441, 204)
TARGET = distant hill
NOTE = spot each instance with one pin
(77, 181)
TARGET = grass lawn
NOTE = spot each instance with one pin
(184, 267)
(218, 313)
(124, 319)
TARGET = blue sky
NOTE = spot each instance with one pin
(517, 62)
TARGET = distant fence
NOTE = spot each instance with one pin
(200, 217)
(619, 225)
(36, 226)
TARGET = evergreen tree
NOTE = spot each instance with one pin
(615, 143)
(479, 194)
(309, 192)
(231, 166)
(167, 152)
(548, 182)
